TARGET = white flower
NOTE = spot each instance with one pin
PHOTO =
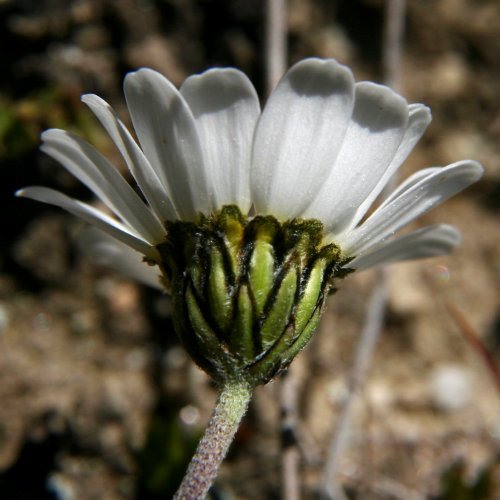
(324, 147)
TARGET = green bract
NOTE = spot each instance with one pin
(247, 293)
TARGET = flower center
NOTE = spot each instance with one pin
(247, 293)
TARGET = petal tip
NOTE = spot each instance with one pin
(320, 77)
(51, 133)
(471, 170)
(142, 74)
(90, 99)
(421, 114)
(477, 167)
(379, 108)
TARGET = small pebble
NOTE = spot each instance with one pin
(450, 387)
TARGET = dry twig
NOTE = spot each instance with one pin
(276, 46)
(330, 489)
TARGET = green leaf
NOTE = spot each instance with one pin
(278, 316)
(241, 340)
(218, 294)
(310, 296)
(208, 342)
(261, 269)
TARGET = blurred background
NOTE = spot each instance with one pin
(99, 401)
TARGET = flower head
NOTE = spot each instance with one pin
(250, 215)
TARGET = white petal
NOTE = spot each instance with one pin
(99, 175)
(91, 215)
(378, 123)
(226, 108)
(419, 119)
(147, 179)
(408, 183)
(429, 241)
(109, 252)
(413, 202)
(167, 133)
(299, 136)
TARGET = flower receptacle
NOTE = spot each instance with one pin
(247, 293)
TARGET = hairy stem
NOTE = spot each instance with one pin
(229, 410)
(290, 456)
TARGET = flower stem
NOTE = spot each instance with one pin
(229, 410)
